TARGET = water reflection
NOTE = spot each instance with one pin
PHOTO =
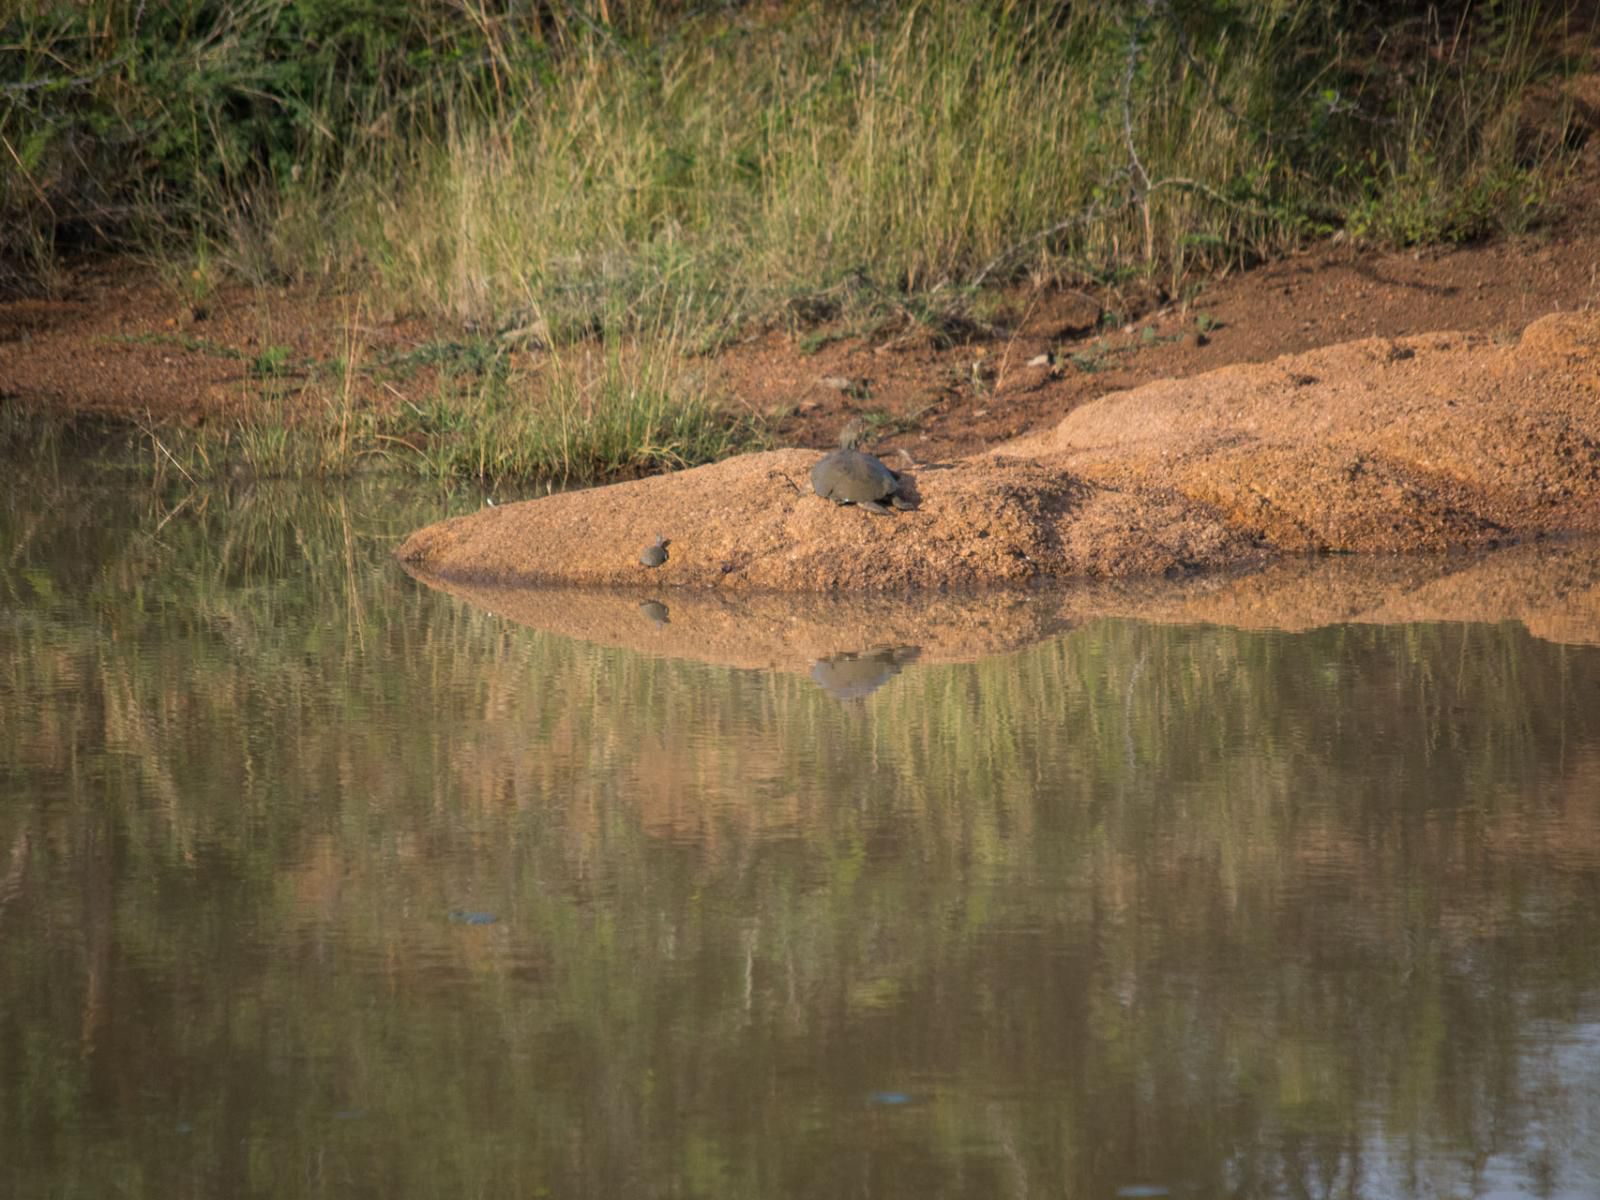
(854, 676)
(314, 881)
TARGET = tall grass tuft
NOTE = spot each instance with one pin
(618, 407)
(618, 412)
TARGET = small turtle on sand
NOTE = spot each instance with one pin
(851, 476)
(655, 553)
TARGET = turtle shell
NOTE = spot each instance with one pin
(655, 554)
(848, 476)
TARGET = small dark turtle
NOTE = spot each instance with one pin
(655, 554)
(851, 476)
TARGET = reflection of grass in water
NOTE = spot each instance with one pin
(236, 559)
(285, 578)
(1084, 858)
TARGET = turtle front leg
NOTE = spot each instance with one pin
(874, 506)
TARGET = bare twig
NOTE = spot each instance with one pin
(784, 475)
(1141, 177)
(63, 82)
(1129, 68)
(181, 505)
(39, 191)
(155, 440)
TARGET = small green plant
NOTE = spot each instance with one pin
(1096, 356)
(268, 448)
(273, 361)
(880, 423)
(440, 414)
(817, 340)
(476, 356)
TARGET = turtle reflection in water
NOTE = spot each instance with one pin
(655, 612)
(851, 476)
(856, 675)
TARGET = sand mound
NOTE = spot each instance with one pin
(742, 524)
(1423, 443)
(1419, 444)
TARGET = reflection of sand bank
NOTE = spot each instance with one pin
(1553, 590)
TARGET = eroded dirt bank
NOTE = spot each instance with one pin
(1422, 444)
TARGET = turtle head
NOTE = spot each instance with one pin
(850, 436)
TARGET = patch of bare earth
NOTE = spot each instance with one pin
(118, 344)
(1056, 351)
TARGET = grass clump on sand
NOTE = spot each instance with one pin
(622, 417)
(615, 409)
(585, 167)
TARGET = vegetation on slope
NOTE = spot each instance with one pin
(619, 170)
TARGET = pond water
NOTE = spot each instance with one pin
(316, 882)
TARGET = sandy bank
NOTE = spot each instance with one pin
(1425, 444)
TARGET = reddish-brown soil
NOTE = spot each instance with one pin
(118, 343)
(970, 397)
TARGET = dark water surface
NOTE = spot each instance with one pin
(314, 882)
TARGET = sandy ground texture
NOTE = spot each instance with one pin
(1430, 443)
(853, 644)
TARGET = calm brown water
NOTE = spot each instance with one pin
(317, 883)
